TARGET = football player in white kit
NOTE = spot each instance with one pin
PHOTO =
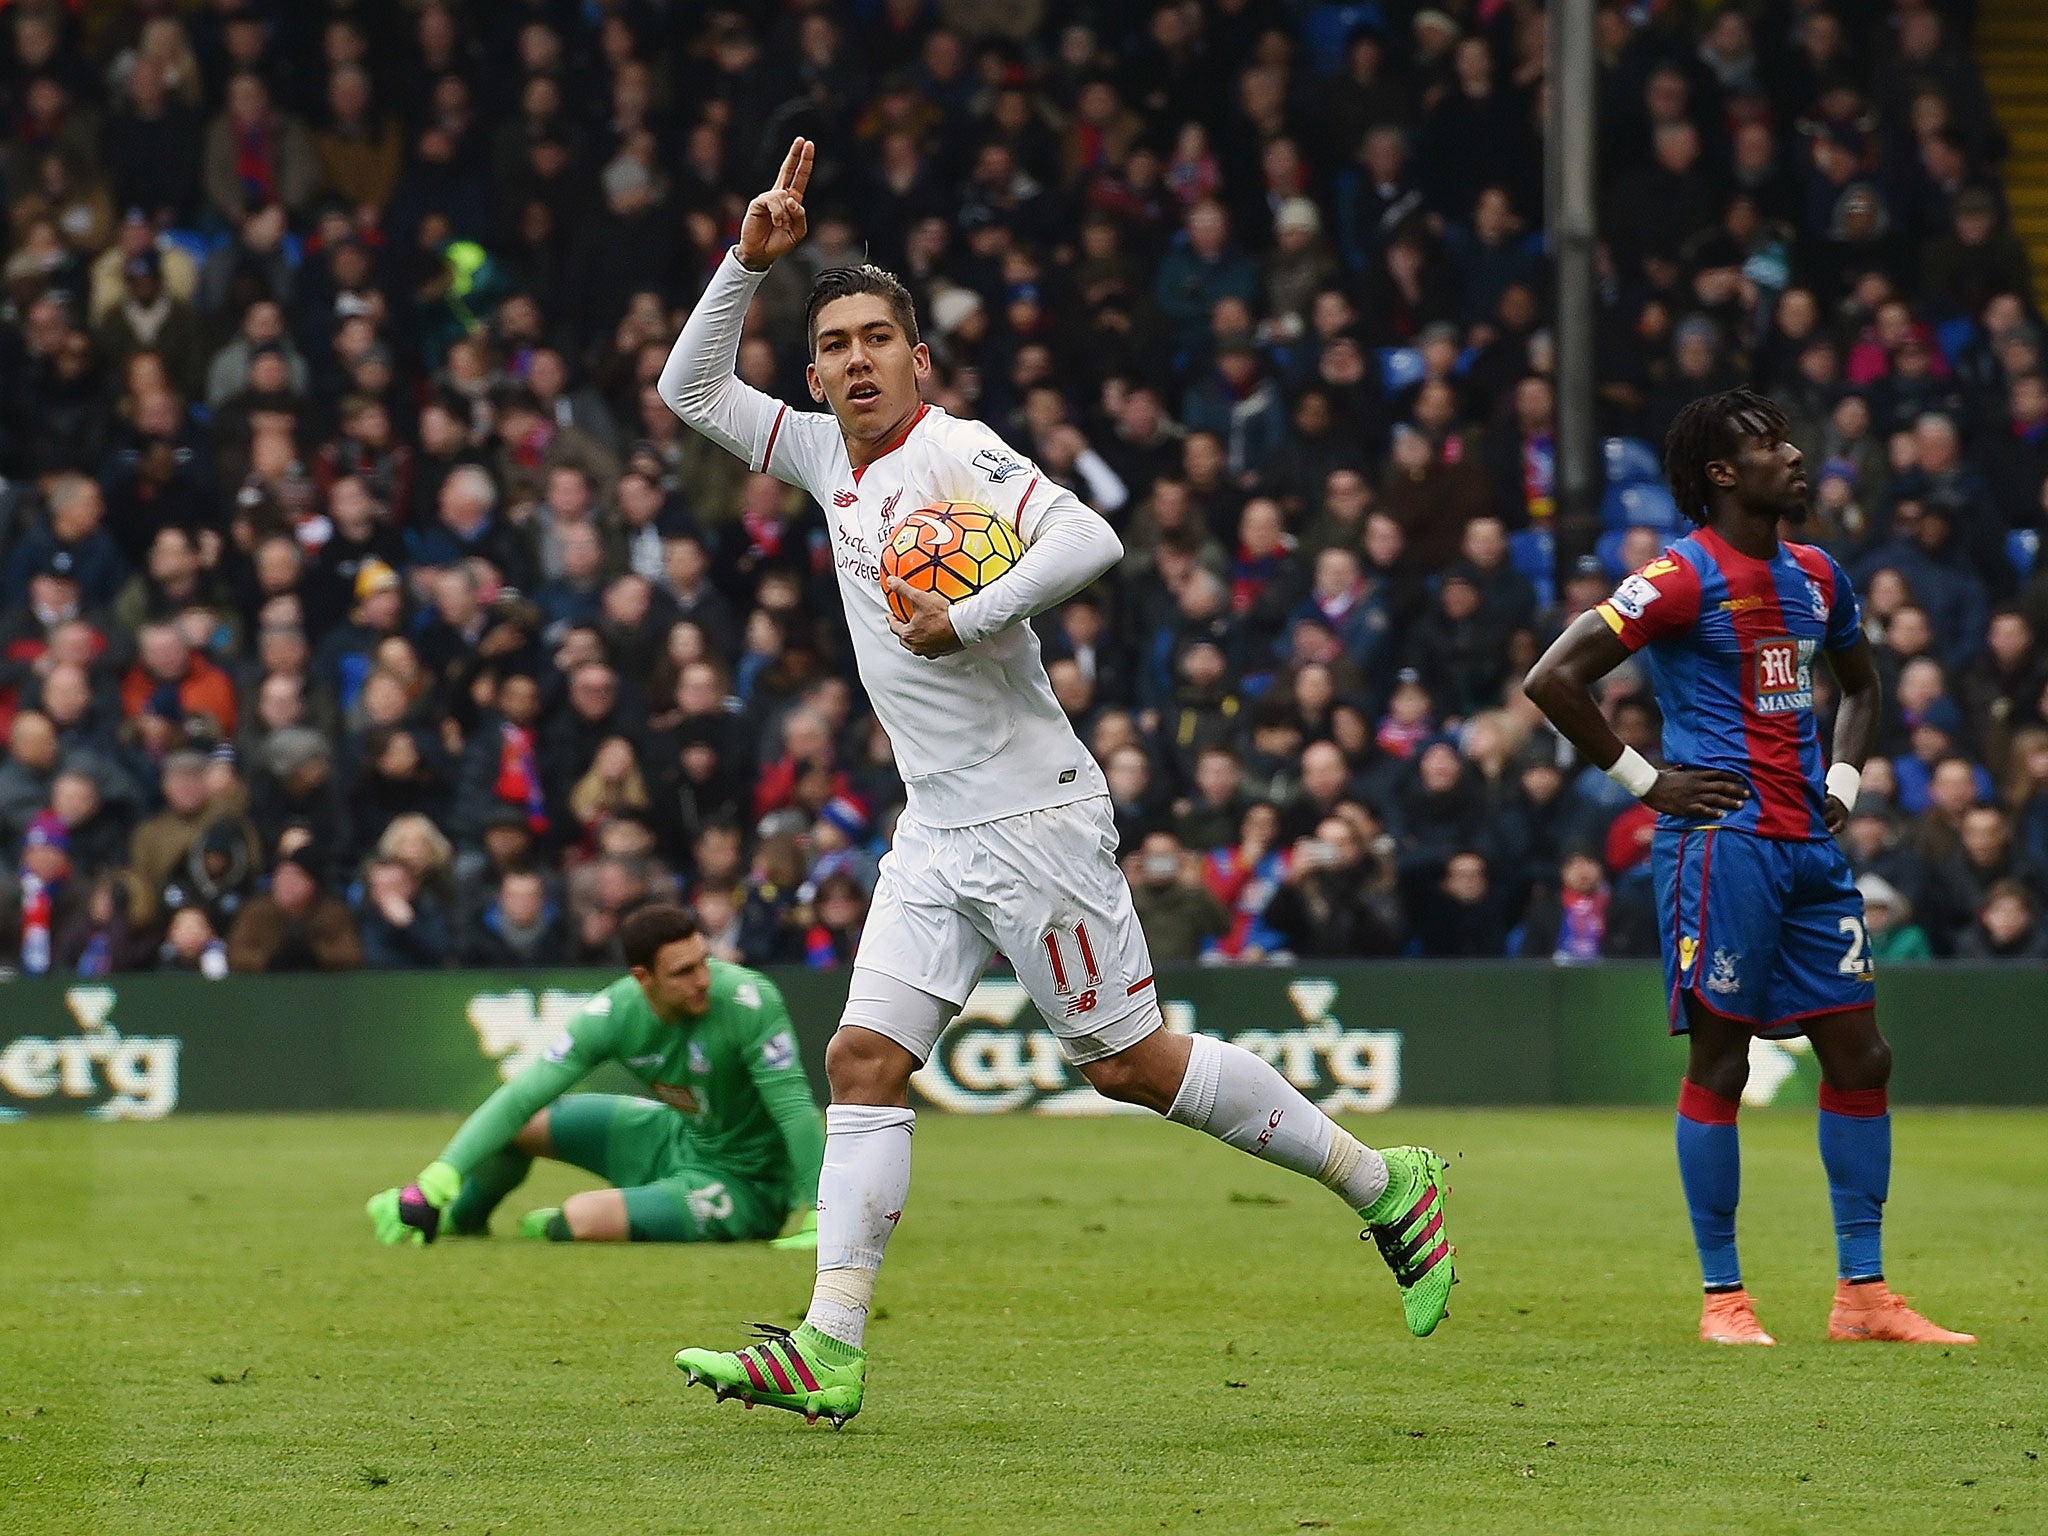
(1007, 843)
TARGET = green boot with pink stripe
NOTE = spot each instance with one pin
(1407, 1224)
(807, 1372)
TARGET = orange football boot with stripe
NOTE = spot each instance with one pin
(1729, 1317)
(1873, 1311)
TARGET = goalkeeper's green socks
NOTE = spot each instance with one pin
(548, 1223)
(489, 1182)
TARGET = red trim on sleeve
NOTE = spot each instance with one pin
(773, 432)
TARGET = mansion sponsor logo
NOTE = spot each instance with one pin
(998, 1057)
(109, 1075)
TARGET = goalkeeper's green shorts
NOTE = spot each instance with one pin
(674, 1193)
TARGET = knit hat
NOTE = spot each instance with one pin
(291, 747)
(848, 815)
(374, 576)
(47, 830)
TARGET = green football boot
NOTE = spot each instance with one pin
(806, 1372)
(1407, 1225)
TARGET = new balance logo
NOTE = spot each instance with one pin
(1085, 1003)
(844, 498)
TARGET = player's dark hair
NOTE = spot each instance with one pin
(1713, 427)
(845, 282)
(650, 929)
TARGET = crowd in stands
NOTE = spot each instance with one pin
(362, 604)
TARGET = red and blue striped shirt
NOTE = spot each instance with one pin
(1731, 642)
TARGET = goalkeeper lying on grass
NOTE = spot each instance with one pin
(731, 1151)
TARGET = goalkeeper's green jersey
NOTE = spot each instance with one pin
(734, 1074)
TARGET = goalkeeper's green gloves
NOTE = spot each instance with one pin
(413, 1214)
(800, 1231)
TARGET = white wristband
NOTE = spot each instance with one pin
(1844, 781)
(1632, 771)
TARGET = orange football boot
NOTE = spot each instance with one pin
(1729, 1317)
(1873, 1311)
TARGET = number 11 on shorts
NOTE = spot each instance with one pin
(1061, 981)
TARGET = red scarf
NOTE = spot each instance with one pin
(519, 776)
(255, 162)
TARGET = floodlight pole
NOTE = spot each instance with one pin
(1570, 153)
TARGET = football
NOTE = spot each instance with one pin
(953, 548)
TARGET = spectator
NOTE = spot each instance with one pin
(1895, 939)
(2007, 927)
(359, 152)
(257, 156)
(413, 370)
(1210, 818)
(401, 927)
(1337, 899)
(70, 543)
(1460, 915)
(295, 925)
(519, 927)
(149, 318)
(1201, 267)
(1959, 885)
(173, 680)
(163, 843)
(839, 907)
(1178, 913)
(98, 937)
(190, 944)
(220, 873)
(1569, 924)
(295, 787)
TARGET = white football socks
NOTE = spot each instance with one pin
(1240, 1099)
(861, 1190)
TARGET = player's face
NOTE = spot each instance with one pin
(865, 368)
(678, 984)
(1770, 477)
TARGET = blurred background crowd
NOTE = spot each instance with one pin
(362, 604)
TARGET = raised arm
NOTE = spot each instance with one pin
(697, 381)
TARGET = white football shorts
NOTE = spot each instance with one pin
(1042, 888)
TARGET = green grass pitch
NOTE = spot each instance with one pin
(1085, 1326)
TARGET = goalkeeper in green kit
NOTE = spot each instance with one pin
(730, 1153)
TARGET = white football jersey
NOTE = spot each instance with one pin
(977, 734)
